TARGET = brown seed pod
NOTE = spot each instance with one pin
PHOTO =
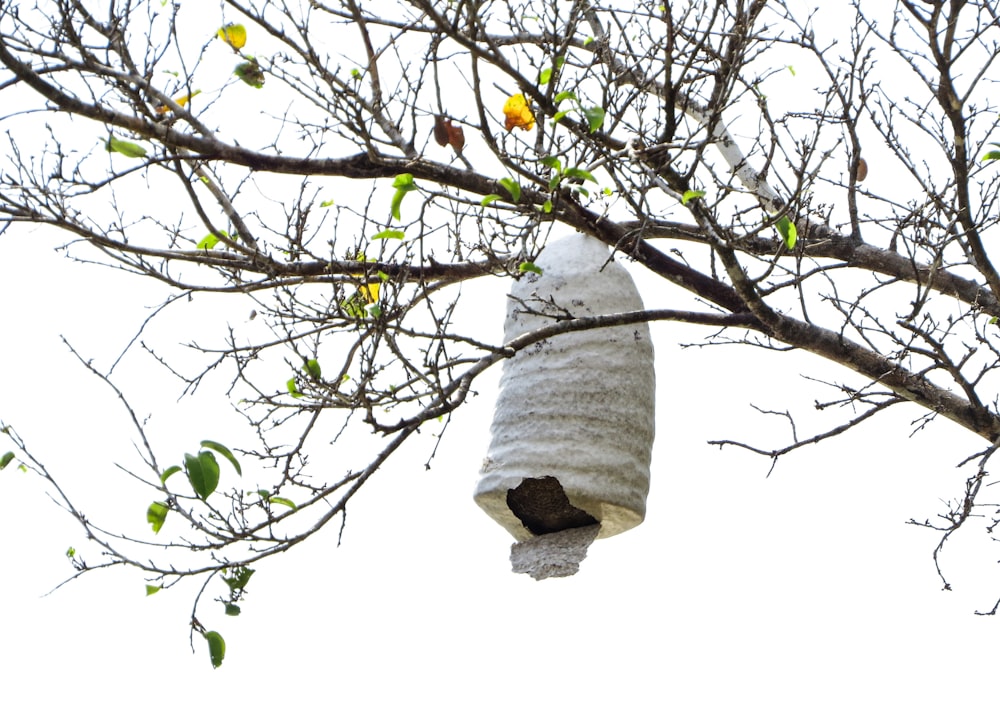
(862, 169)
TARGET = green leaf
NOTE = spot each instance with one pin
(326, 203)
(595, 117)
(490, 199)
(580, 174)
(547, 207)
(555, 180)
(389, 235)
(404, 181)
(70, 552)
(232, 610)
(240, 577)
(991, 155)
(512, 187)
(786, 228)
(544, 76)
(168, 472)
(403, 184)
(203, 473)
(156, 515)
(559, 61)
(293, 388)
(691, 195)
(216, 648)
(250, 73)
(152, 589)
(791, 70)
(285, 502)
(552, 161)
(129, 149)
(225, 451)
(6, 459)
(588, 41)
(564, 95)
(530, 267)
(211, 240)
(312, 368)
(559, 115)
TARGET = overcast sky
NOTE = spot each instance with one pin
(802, 593)
(799, 594)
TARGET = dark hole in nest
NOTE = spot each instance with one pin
(543, 507)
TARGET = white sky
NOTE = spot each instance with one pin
(799, 594)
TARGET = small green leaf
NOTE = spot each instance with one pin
(588, 41)
(544, 76)
(327, 203)
(579, 174)
(225, 451)
(285, 502)
(293, 388)
(240, 577)
(564, 95)
(993, 320)
(490, 199)
(559, 61)
(156, 515)
(791, 70)
(203, 473)
(530, 267)
(786, 228)
(168, 472)
(216, 648)
(547, 207)
(991, 155)
(356, 73)
(512, 187)
(250, 73)
(152, 589)
(403, 184)
(71, 552)
(404, 181)
(691, 195)
(595, 117)
(559, 115)
(232, 610)
(552, 161)
(389, 235)
(129, 149)
(6, 459)
(312, 368)
(211, 240)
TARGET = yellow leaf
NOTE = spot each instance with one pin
(183, 100)
(518, 113)
(370, 293)
(233, 35)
